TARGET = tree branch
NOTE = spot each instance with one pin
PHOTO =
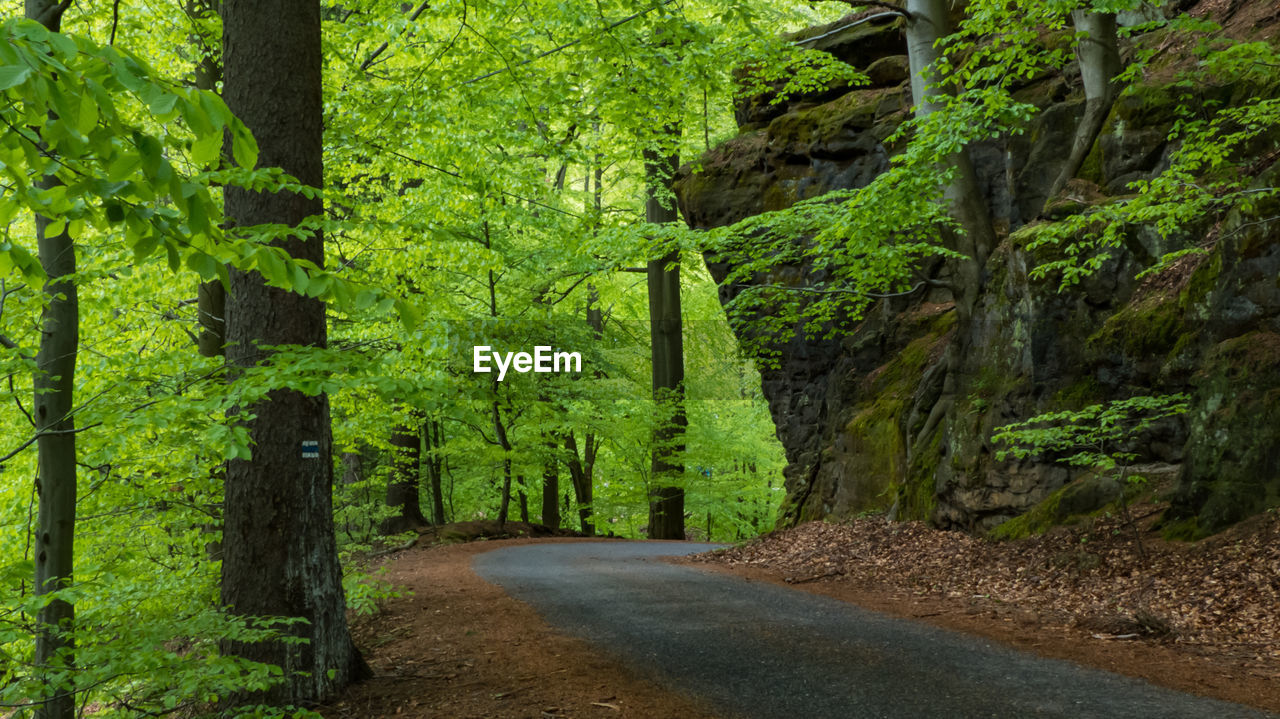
(843, 291)
(567, 45)
(855, 23)
(368, 61)
(115, 21)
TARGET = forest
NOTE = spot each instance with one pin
(287, 283)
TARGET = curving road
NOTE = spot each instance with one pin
(759, 650)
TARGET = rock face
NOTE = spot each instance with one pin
(852, 413)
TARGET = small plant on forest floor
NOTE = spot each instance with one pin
(1095, 437)
(365, 592)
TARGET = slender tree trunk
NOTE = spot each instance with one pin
(211, 296)
(551, 486)
(435, 465)
(279, 554)
(403, 491)
(54, 385)
(500, 427)
(582, 468)
(1099, 55)
(523, 497)
(666, 498)
(352, 467)
(929, 22)
(504, 504)
(580, 477)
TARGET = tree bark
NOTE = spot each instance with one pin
(504, 503)
(930, 21)
(666, 497)
(54, 386)
(1099, 55)
(551, 486)
(279, 554)
(523, 498)
(403, 491)
(211, 296)
(580, 472)
(435, 468)
(352, 467)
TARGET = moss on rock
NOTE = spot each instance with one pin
(1233, 467)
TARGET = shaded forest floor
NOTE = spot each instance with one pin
(1202, 617)
(459, 647)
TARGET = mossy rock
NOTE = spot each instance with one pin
(1233, 457)
(847, 115)
(1075, 500)
(1149, 326)
(857, 44)
(1146, 105)
(889, 71)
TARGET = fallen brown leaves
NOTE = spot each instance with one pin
(1221, 592)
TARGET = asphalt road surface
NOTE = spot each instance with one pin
(760, 650)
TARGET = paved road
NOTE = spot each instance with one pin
(760, 650)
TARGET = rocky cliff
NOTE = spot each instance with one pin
(852, 411)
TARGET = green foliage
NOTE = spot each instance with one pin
(1209, 174)
(1094, 437)
(1099, 437)
(365, 592)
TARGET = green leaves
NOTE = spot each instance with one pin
(12, 76)
(1091, 437)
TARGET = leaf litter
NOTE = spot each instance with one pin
(1216, 600)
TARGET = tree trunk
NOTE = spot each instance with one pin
(504, 503)
(54, 386)
(279, 554)
(211, 296)
(523, 496)
(551, 486)
(580, 477)
(930, 22)
(500, 431)
(582, 469)
(666, 497)
(403, 489)
(352, 467)
(1099, 55)
(435, 466)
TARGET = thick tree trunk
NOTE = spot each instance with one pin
(666, 497)
(279, 554)
(1099, 55)
(54, 385)
(403, 489)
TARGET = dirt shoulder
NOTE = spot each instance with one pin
(460, 647)
(1202, 618)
